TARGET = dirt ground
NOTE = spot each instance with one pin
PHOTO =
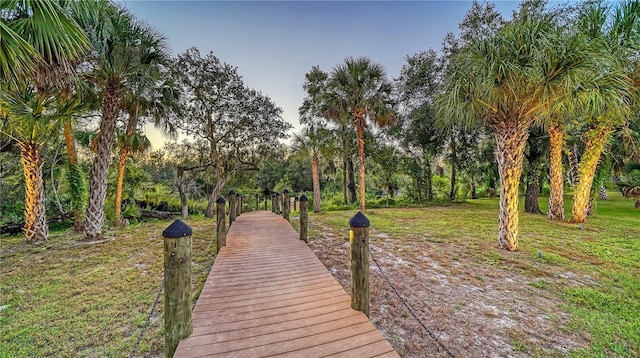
(468, 309)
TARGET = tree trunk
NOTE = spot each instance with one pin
(510, 145)
(124, 153)
(574, 160)
(556, 179)
(101, 162)
(35, 219)
(316, 183)
(594, 145)
(474, 193)
(533, 186)
(352, 181)
(454, 159)
(122, 162)
(428, 176)
(184, 207)
(602, 193)
(76, 193)
(360, 133)
(345, 158)
(533, 180)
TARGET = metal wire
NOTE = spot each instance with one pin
(153, 307)
(415, 316)
(213, 238)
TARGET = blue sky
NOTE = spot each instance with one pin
(275, 43)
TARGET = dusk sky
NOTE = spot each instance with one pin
(274, 44)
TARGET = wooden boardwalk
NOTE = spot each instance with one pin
(268, 295)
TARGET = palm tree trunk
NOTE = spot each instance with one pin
(533, 180)
(594, 146)
(510, 146)
(454, 159)
(35, 219)
(352, 181)
(124, 153)
(574, 159)
(76, 192)
(316, 183)
(101, 162)
(345, 158)
(360, 133)
(122, 162)
(556, 179)
(533, 186)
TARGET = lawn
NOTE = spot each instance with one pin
(567, 291)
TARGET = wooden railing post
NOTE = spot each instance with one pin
(221, 224)
(239, 205)
(359, 238)
(257, 202)
(177, 291)
(304, 218)
(287, 204)
(295, 201)
(278, 202)
(265, 202)
(273, 202)
(232, 207)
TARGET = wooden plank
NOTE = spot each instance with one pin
(267, 294)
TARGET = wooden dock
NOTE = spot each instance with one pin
(268, 295)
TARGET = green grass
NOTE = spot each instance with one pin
(65, 297)
(606, 249)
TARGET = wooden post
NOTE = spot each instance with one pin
(287, 204)
(232, 207)
(257, 202)
(177, 292)
(359, 238)
(295, 201)
(304, 218)
(278, 203)
(265, 202)
(238, 205)
(221, 224)
(273, 203)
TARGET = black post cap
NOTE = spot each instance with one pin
(303, 198)
(286, 191)
(277, 194)
(231, 192)
(221, 200)
(359, 220)
(177, 229)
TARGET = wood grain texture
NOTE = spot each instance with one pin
(268, 295)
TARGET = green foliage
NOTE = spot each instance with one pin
(77, 187)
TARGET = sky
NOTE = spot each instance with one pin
(274, 43)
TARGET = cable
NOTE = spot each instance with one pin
(415, 316)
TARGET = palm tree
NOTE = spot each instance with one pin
(506, 82)
(146, 99)
(39, 42)
(313, 143)
(609, 100)
(359, 89)
(124, 51)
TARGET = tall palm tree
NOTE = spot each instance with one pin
(609, 102)
(147, 99)
(359, 89)
(124, 51)
(506, 82)
(313, 143)
(39, 42)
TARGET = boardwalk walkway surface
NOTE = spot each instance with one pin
(268, 295)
